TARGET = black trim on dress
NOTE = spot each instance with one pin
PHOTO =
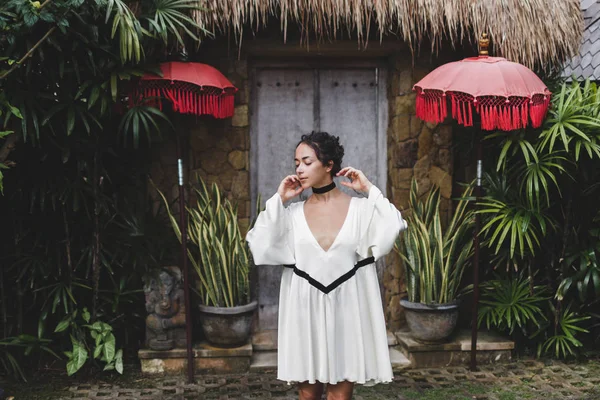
(337, 282)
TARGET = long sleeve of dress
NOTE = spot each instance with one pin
(271, 239)
(380, 224)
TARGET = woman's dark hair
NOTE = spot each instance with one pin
(327, 148)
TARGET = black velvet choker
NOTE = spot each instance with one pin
(324, 189)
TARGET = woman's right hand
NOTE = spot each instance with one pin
(289, 188)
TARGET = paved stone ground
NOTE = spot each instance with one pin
(528, 379)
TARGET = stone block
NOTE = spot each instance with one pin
(401, 177)
(213, 161)
(244, 224)
(445, 160)
(394, 308)
(456, 351)
(265, 340)
(443, 136)
(400, 128)
(240, 116)
(264, 361)
(400, 198)
(242, 96)
(240, 187)
(231, 365)
(405, 154)
(425, 143)
(406, 80)
(391, 286)
(239, 138)
(392, 341)
(220, 142)
(402, 81)
(421, 173)
(238, 159)
(416, 126)
(225, 178)
(431, 125)
(394, 84)
(404, 104)
(397, 270)
(207, 359)
(442, 179)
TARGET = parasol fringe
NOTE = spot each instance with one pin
(495, 113)
(431, 107)
(185, 101)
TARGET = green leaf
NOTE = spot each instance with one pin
(86, 315)
(98, 350)
(113, 87)
(78, 357)
(109, 348)
(63, 325)
(119, 361)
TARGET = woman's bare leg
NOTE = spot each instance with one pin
(310, 391)
(340, 391)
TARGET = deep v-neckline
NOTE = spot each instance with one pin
(336, 236)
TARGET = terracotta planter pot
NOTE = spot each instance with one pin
(430, 323)
(227, 326)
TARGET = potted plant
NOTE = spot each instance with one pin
(219, 254)
(435, 261)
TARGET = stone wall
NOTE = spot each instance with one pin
(415, 149)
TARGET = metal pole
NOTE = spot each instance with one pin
(186, 282)
(476, 259)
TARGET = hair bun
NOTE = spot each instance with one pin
(327, 148)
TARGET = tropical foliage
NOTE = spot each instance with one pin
(508, 304)
(80, 229)
(435, 260)
(541, 218)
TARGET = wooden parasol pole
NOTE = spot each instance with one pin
(483, 51)
(184, 264)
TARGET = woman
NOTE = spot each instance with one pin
(331, 322)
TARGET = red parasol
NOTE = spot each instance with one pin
(197, 89)
(192, 88)
(506, 95)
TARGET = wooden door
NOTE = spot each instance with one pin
(287, 102)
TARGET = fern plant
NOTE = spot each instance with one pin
(508, 303)
(563, 342)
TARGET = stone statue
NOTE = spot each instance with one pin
(165, 304)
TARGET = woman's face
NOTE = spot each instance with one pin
(309, 169)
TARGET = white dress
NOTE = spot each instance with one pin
(331, 322)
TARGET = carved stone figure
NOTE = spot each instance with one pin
(165, 323)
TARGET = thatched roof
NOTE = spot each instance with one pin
(533, 32)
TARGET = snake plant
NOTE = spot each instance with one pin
(216, 248)
(435, 259)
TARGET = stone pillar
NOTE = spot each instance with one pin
(415, 149)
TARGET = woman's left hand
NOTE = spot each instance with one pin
(358, 180)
